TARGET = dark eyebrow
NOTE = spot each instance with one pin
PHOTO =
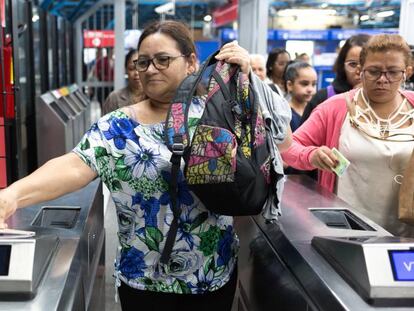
(155, 55)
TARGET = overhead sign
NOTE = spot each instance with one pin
(98, 38)
(302, 34)
(343, 34)
(225, 14)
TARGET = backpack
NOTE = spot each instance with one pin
(228, 161)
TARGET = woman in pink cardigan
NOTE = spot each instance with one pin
(375, 134)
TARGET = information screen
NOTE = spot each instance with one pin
(402, 263)
(5, 251)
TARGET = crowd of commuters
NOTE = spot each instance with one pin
(365, 114)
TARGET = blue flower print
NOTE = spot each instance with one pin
(151, 208)
(184, 195)
(225, 247)
(190, 220)
(119, 130)
(137, 199)
(132, 263)
(204, 281)
(142, 160)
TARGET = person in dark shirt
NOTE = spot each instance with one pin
(345, 68)
(300, 80)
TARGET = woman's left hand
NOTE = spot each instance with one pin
(233, 53)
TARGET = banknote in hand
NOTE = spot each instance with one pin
(343, 163)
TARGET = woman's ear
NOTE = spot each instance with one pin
(289, 86)
(192, 64)
(408, 72)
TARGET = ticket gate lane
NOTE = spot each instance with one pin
(277, 260)
(71, 274)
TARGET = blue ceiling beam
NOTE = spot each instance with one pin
(80, 8)
(45, 5)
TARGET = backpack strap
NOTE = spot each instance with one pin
(173, 190)
(330, 91)
(274, 88)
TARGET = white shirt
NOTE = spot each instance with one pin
(369, 184)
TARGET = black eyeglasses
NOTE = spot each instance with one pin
(160, 62)
(391, 75)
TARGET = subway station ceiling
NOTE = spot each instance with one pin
(195, 10)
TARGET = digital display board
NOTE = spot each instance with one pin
(5, 251)
(402, 263)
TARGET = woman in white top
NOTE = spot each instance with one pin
(375, 135)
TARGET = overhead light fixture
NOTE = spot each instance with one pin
(207, 18)
(385, 13)
(364, 18)
(306, 12)
(167, 8)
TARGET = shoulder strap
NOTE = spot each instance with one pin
(274, 88)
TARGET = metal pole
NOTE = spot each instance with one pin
(119, 9)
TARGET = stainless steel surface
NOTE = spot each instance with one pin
(54, 129)
(69, 279)
(279, 268)
(28, 261)
(366, 263)
(61, 121)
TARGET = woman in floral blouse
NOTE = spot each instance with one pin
(125, 149)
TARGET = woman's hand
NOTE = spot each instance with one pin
(233, 53)
(8, 206)
(324, 159)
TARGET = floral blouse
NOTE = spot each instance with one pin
(133, 161)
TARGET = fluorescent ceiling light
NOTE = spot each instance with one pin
(207, 18)
(385, 13)
(364, 18)
(305, 12)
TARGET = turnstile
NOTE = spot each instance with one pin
(23, 262)
(55, 128)
(321, 255)
(61, 267)
(62, 118)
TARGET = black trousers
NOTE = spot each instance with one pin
(140, 300)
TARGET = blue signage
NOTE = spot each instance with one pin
(229, 34)
(302, 34)
(402, 263)
(343, 34)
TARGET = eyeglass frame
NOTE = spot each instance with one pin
(385, 73)
(151, 61)
(350, 68)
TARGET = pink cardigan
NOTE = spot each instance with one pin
(322, 128)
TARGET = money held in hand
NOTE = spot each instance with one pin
(343, 163)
